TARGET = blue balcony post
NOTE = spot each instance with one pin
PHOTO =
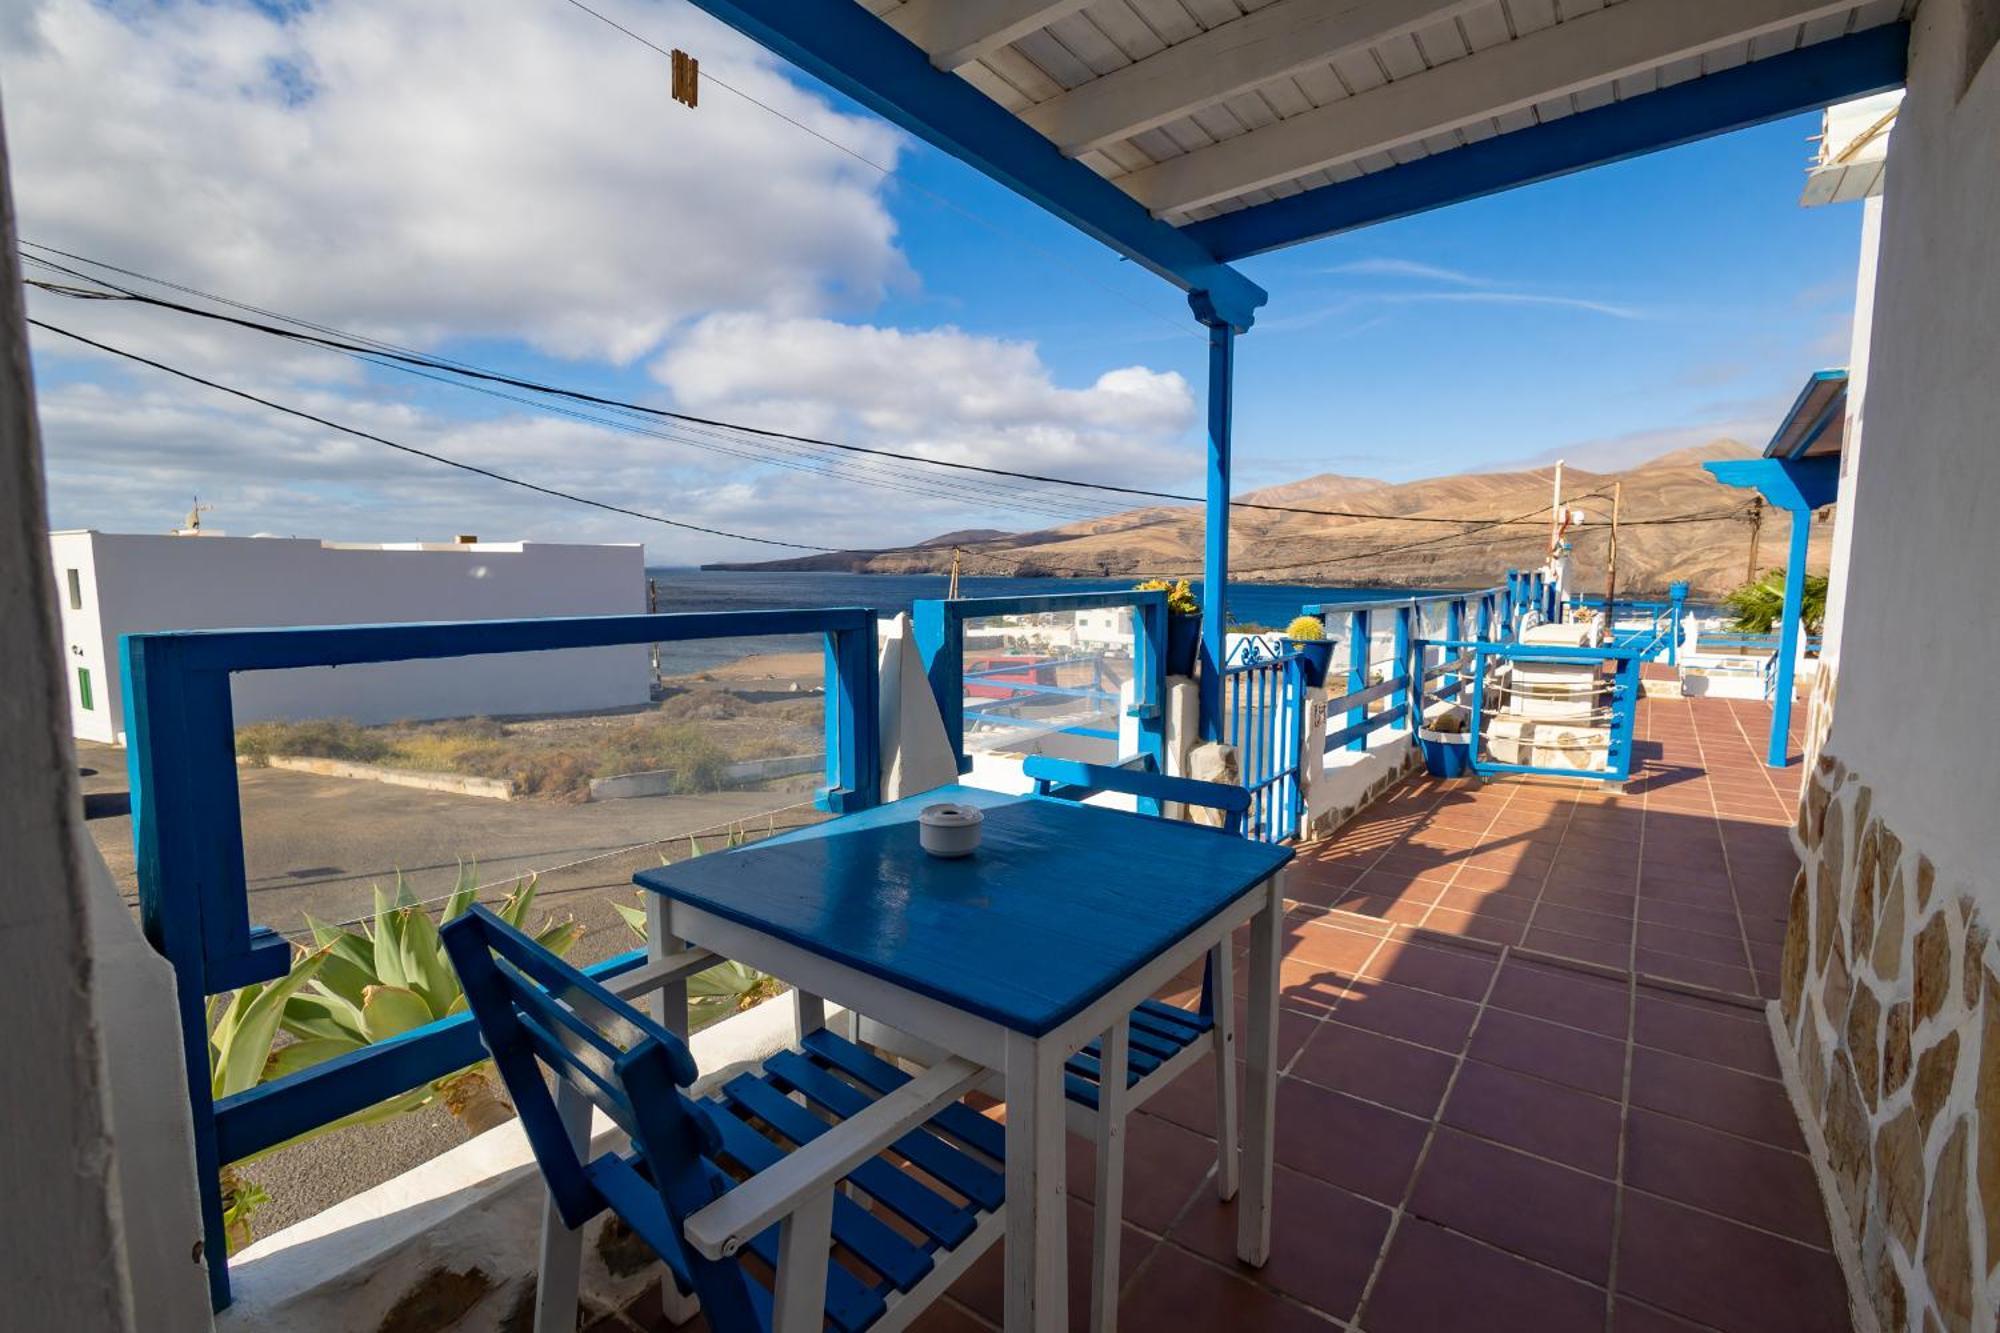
(1454, 631)
(1401, 665)
(1357, 673)
(1678, 592)
(1508, 599)
(1215, 561)
(1485, 623)
(1788, 639)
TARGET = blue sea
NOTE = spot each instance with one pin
(1268, 604)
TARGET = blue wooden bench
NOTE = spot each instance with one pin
(802, 1163)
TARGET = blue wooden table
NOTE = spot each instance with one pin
(1016, 957)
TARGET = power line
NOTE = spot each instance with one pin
(335, 340)
(943, 201)
(421, 453)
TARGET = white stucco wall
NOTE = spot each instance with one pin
(1857, 417)
(1914, 712)
(62, 1231)
(134, 583)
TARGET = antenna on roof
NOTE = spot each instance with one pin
(191, 525)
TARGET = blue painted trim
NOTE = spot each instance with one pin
(1355, 735)
(187, 821)
(843, 45)
(939, 626)
(1797, 485)
(1215, 546)
(1765, 90)
(1797, 433)
(1358, 648)
(1778, 751)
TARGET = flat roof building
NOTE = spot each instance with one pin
(111, 584)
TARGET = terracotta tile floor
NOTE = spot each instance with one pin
(1526, 1082)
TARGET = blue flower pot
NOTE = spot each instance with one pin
(1447, 755)
(1183, 640)
(1315, 658)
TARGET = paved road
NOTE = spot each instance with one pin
(315, 844)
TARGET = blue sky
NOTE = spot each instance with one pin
(508, 183)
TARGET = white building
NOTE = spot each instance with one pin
(112, 584)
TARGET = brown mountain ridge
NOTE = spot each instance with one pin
(1711, 552)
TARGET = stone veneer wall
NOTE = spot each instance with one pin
(1891, 1001)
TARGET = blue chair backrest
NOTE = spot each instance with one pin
(535, 1012)
(1074, 780)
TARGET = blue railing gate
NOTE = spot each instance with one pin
(1264, 716)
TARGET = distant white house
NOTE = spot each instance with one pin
(112, 584)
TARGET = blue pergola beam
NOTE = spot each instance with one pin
(849, 49)
(1764, 90)
(1798, 486)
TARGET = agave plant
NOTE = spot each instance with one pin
(392, 977)
(351, 989)
(728, 987)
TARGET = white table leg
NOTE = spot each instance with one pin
(562, 1249)
(1222, 1009)
(669, 1008)
(1037, 1288)
(1113, 1048)
(1253, 1211)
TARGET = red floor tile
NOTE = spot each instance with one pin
(1322, 1253)
(1719, 1034)
(1709, 1094)
(1518, 1203)
(1414, 1015)
(1749, 1182)
(1550, 1120)
(1347, 1142)
(1577, 1059)
(1436, 1282)
(1562, 995)
(1727, 1276)
(1461, 974)
(1377, 1068)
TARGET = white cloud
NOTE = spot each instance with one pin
(487, 168)
(1520, 298)
(942, 393)
(1382, 267)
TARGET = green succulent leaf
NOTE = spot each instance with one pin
(305, 1054)
(322, 1016)
(424, 961)
(514, 910)
(388, 942)
(635, 917)
(558, 936)
(242, 1052)
(464, 893)
(390, 1011)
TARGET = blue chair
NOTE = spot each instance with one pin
(1158, 1041)
(776, 1164)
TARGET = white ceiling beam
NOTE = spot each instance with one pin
(1245, 53)
(1610, 43)
(957, 32)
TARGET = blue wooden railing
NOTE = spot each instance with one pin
(1478, 659)
(1496, 611)
(1264, 717)
(187, 827)
(939, 625)
(1663, 637)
